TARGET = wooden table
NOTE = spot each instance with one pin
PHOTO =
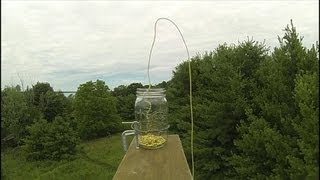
(166, 163)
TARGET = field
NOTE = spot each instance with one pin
(98, 159)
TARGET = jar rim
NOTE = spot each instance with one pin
(150, 92)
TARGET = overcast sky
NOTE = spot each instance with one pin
(67, 43)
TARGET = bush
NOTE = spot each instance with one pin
(56, 140)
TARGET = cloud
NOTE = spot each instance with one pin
(68, 43)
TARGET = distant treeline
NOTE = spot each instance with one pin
(255, 112)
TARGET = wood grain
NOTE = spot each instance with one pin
(166, 163)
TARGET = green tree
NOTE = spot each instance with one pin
(53, 104)
(15, 113)
(50, 103)
(163, 84)
(132, 88)
(126, 96)
(306, 124)
(279, 139)
(95, 110)
(223, 85)
(39, 90)
(55, 140)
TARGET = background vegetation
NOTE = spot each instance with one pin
(256, 116)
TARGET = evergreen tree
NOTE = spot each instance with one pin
(223, 85)
(279, 139)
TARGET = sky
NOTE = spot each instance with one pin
(68, 43)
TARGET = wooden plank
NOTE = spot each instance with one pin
(166, 163)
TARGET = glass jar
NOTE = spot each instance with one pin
(151, 112)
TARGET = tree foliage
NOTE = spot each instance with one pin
(15, 114)
(95, 110)
(255, 114)
(222, 87)
(126, 96)
(40, 89)
(55, 140)
(52, 104)
(279, 139)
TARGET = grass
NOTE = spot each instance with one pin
(99, 159)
